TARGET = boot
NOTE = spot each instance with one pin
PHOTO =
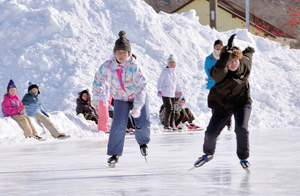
(202, 160)
(113, 159)
(244, 163)
(144, 149)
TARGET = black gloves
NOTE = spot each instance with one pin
(248, 49)
(230, 44)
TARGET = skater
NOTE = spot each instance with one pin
(34, 108)
(14, 108)
(210, 61)
(84, 106)
(128, 87)
(229, 96)
(167, 86)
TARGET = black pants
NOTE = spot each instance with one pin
(169, 114)
(220, 119)
(183, 116)
(92, 117)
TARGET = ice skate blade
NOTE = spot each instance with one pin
(111, 165)
(192, 168)
(247, 170)
(145, 159)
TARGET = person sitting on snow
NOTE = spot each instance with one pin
(14, 108)
(183, 116)
(34, 108)
(84, 106)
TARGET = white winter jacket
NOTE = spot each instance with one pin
(169, 82)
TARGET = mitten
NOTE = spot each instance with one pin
(230, 44)
(180, 96)
(22, 112)
(15, 104)
(159, 94)
(248, 49)
(95, 103)
(135, 112)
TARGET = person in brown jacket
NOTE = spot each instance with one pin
(229, 96)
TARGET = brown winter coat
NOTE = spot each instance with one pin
(232, 89)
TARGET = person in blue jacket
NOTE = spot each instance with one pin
(210, 61)
(33, 107)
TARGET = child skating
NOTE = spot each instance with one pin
(127, 87)
(229, 96)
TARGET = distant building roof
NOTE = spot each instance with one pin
(240, 13)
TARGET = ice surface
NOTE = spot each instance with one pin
(79, 166)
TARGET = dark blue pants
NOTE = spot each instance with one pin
(118, 128)
(220, 119)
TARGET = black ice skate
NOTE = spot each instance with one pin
(245, 164)
(144, 150)
(112, 161)
(202, 160)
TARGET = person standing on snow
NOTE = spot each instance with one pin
(210, 61)
(229, 96)
(168, 85)
(34, 108)
(128, 87)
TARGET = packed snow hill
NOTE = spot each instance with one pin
(60, 45)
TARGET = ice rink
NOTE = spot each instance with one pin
(79, 166)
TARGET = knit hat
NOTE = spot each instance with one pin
(122, 43)
(11, 84)
(32, 85)
(218, 42)
(236, 53)
(171, 58)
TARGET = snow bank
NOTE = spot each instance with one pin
(60, 44)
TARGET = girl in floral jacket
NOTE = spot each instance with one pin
(127, 87)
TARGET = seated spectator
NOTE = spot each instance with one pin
(84, 106)
(182, 115)
(14, 108)
(34, 108)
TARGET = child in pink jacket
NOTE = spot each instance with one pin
(14, 108)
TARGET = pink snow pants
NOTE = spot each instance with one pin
(103, 116)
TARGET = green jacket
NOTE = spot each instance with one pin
(232, 89)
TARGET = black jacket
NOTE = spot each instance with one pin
(232, 88)
(84, 107)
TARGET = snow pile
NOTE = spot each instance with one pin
(60, 44)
